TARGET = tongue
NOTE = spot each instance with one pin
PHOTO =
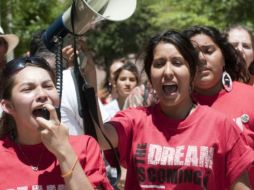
(169, 89)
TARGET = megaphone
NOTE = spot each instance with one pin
(83, 14)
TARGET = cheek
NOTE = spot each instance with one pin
(118, 85)
(134, 84)
(20, 105)
(250, 55)
(55, 98)
(217, 62)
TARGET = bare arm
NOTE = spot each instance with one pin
(56, 139)
(110, 132)
(242, 183)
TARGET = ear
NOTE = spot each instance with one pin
(7, 106)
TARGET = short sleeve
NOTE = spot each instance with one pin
(239, 156)
(94, 166)
(124, 123)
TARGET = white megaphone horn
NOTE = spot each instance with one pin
(83, 14)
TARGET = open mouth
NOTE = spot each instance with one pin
(41, 112)
(169, 89)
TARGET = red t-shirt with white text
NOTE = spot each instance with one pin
(204, 151)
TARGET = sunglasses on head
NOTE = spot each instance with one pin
(20, 63)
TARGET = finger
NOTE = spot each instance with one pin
(69, 51)
(44, 124)
(52, 113)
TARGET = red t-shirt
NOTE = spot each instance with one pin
(238, 105)
(204, 151)
(17, 174)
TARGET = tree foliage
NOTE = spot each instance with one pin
(219, 13)
(110, 40)
(23, 18)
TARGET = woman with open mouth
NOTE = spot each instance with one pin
(35, 148)
(176, 143)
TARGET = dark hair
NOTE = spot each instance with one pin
(4, 42)
(129, 66)
(36, 44)
(234, 62)
(7, 123)
(182, 44)
(107, 86)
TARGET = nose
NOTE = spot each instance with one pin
(127, 83)
(202, 57)
(168, 72)
(42, 95)
(240, 48)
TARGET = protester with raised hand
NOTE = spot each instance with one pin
(37, 151)
(176, 143)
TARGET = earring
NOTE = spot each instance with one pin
(227, 81)
(110, 87)
(154, 95)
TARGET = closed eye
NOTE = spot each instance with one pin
(207, 50)
(26, 89)
(157, 63)
(48, 85)
(177, 61)
(247, 46)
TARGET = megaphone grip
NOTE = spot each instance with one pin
(56, 29)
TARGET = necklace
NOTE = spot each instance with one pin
(36, 167)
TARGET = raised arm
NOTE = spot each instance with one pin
(56, 139)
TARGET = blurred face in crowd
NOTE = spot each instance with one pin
(125, 82)
(210, 69)
(113, 68)
(241, 40)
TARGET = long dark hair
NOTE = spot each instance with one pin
(107, 86)
(234, 62)
(183, 45)
(7, 123)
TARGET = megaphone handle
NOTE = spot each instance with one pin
(59, 71)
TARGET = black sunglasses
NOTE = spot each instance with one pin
(20, 63)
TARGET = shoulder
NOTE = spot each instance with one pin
(6, 145)
(242, 87)
(82, 141)
(136, 112)
(130, 117)
(204, 112)
(78, 138)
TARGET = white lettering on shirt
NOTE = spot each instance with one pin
(181, 155)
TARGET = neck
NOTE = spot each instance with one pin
(209, 91)
(121, 102)
(28, 137)
(180, 111)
